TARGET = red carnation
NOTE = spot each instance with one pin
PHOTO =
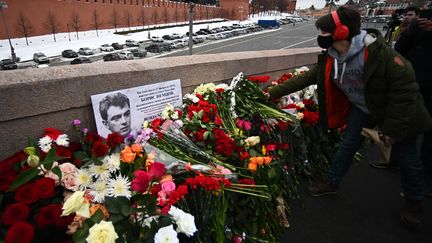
(199, 136)
(63, 152)
(45, 187)
(156, 123)
(155, 189)
(48, 215)
(52, 133)
(99, 149)
(218, 120)
(310, 118)
(244, 155)
(182, 190)
(308, 102)
(14, 213)
(114, 140)
(27, 194)
(22, 232)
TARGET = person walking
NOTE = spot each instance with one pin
(362, 82)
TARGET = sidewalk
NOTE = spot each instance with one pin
(366, 209)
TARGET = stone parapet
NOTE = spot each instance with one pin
(32, 99)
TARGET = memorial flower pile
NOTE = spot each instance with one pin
(220, 168)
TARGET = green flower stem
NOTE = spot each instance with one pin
(247, 193)
(247, 185)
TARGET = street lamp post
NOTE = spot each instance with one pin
(68, 31)
(191, 7)
(2, 6)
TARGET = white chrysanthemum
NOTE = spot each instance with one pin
(45, 144)
(99, 191)
(165, 235)
(100, 171)
(175, 115)
(63, 140)
(83, 179)
(119, 187)
(112, 162)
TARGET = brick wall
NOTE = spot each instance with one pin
(81, 14)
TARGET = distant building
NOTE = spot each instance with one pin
(41, 17)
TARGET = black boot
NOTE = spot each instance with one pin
(412, 212)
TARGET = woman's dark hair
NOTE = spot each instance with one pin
(347, 16)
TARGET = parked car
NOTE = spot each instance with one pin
(117, 46)
(8, 64)
(176, 45)
(111, 57)
(159, 47)
(40, 58)
(168, 37)
(156, 39)
(85, 51)
(69, 53)
(176, 36)
(80, 60)
(126, 55)
(139, 53)
(106, 47)
(132, 43)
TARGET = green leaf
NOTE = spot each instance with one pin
(81, 234)
(97, 216)
(81, 155)
(253, 153)
(116, 218)
(56, 170)
(50, 158)
(23, 178)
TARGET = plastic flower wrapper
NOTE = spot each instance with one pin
(177, 144)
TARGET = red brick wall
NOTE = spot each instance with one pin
(235, 9)
(36, 13)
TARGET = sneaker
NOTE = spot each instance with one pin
(322, 187)
(383, 165)
(412, 212)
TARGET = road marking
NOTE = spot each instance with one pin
(265, 36)
(298, 43)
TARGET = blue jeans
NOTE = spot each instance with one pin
(411, 168)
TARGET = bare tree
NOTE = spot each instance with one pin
(155, 17)
(76, 23)
(166, 17)
(52, 24)
(176, 15)
(23, 26)
(115, 19)
(141, 18)
(128, 18)
(185, 14)
(96, 21)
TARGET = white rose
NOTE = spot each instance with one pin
(76, 204)
(175, 213)
(252, 141)
(186, 224)
(102, 232)
(165, 235)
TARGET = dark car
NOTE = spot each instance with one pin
(8, 64)
(117, 46)
(139, 53)
(111, 57)
(168, 37)
(69, 53)
(158, 47)
(80, 60)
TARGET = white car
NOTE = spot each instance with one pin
(85, 51)
(106, 47)
(156, 39)
(126, 55)
(176, 45)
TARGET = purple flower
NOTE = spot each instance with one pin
(76, 122)
(85, 130)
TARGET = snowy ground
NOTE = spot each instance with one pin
(46, 44)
